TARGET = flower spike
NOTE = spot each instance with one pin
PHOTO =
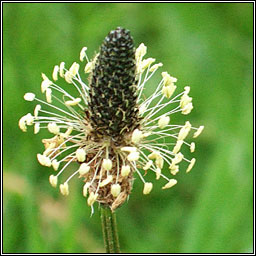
(108, 126)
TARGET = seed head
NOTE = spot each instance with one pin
(113, 87)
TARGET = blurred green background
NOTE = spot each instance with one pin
(207, 46)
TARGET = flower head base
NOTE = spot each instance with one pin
(109, 128)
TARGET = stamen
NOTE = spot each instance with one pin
(88, 67)
(29, 96)
(80, 155)
(125, 170)
(140, 51)
(158, 173)
(147, 188)
(22, 123)
(83, 53)
(133, 156)
(198, 132)
(55, 73)
(83, 169)
(187, 109)
(44, 160)
(61, 70)
(177, 147)
(55, 164)
(53, 128)
(163, 121)
(64, 190)
(107, 164)
(53, 180)
(36, 111)
(92, 198)
(36, 128)
(148, 165)
(137, 136)
(85, 188)
(45, 83)
(129, 149)
(168, 90)
(155, 67)
(115, 190)
(106, 181)
(170, 184)
(174, 169)
(192, 147)
(49, 95)
(192, 163)
(168, 80)
(72, 102)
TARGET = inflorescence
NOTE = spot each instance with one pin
(110, 128)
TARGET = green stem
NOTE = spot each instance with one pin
(109, 230)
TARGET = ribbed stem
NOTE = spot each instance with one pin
(109, 230)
